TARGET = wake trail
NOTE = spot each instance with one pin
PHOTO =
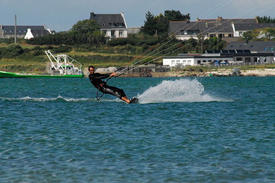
(180, 90)
(53, 99)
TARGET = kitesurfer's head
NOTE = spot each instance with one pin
(91, 69)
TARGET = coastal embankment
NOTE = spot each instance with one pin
(217, 72)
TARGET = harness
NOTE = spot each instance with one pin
(99, 96)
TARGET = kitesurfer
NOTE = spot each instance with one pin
(96, 80)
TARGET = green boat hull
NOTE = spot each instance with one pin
(4, 74)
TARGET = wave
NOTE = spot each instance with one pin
(181, 90)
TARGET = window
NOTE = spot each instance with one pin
(120, 33)
(239, 59)
(247, 59)
(112, 33)
(221, 35)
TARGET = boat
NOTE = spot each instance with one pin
(61, 66)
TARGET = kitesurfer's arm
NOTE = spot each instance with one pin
(113, 74)
(101, 76)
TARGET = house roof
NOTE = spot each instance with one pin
(252, 26)
(204, 27)
(221, 54)
(107, 21)
(254, 46)
(207, 25)
(22, 29)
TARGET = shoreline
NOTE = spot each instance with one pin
(218, 73)
(222, 72)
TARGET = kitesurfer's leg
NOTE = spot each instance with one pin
(116, 92)
(125, 99)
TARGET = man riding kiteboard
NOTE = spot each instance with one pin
(96, 80)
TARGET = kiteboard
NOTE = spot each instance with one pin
(134, 100)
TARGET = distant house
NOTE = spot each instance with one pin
(134, 30)
(112, 25)
(23, 31)
(253, 46)
(240, 28)
(222, 28)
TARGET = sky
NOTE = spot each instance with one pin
(61, 15)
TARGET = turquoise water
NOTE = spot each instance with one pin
(184, 130)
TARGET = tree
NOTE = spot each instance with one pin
(159, 24)
(150, 24)
(214, 43)
(85, 26)
(247, 36)
(162, 24)
(265, 19)
(173, 15)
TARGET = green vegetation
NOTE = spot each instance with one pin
(158, 25)
(265, 34)
(265, 19)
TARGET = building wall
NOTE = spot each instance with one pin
(173, 62)
(187, 37)
(1, 33)
(133, 30)
(115, 33)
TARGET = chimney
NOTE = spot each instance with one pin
(92, 15)
(219, 19)
(257, 20)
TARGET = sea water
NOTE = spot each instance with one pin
(183, 130)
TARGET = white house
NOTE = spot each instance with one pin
(193, 60)
(221, 58)
(112, 25)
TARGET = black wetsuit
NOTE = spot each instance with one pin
(103, 87)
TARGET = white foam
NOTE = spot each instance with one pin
(42, 99)
(180, 90)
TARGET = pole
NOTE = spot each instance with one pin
(15, 29)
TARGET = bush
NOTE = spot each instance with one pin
(11, 51)
(7, 41)
(62, 49)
